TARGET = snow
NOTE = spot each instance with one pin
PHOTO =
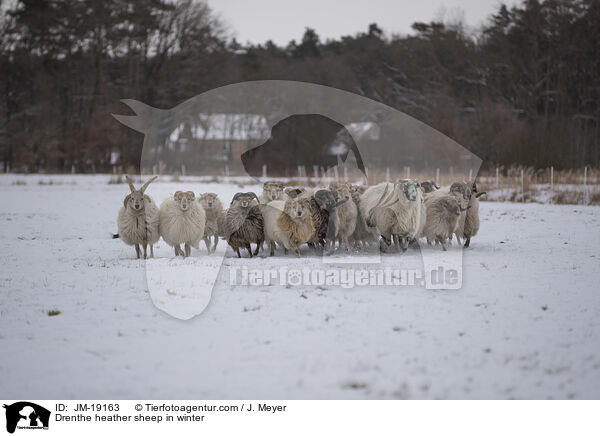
(524, 325)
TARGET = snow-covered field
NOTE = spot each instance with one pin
(525, 324)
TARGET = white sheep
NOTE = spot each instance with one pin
(138, 219)
(289, 223)
(182, 221)
(395, 209)
(363, 234)
(213, 208)
(272, 190)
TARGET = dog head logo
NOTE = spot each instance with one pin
(26, 415)
(292, 130)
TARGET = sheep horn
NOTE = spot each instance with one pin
(479, 194)
(436, 185)
(143, 188)
(253, 195)
(130, 182)
(236, 196)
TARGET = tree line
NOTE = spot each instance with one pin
(524, 89)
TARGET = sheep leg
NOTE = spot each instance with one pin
(258, 247)
(297, 252)
(249, 248)
(329, 245)
(384, 243)
(458, 240)
(442, 242)
(404, 243)
(152, 251)
(284, 250)
(137, 250)
(207, 242)
(178, 250)
(145, 250)
(272, 244)
(188, 249)
(237, 250)
(346, 243)
(216, 242)
(467, 242)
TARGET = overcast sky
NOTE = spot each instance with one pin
(282, 20)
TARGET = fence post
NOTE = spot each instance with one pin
(264, 171)
(437, 176)
(470, 174)
(522, 187)
(387, 174)
(551, 185)
(226, 170)
(316, 172)
(408, 172)
(335, 172)
(182, 170)
(497, 178)
(345, 173)
(585, 193)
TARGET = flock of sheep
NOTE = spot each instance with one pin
(391, 215)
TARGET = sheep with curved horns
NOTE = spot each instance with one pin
(468, 224)
(182, 221)
(243, 223)
(289, 223)
(443, 214)
(395, 210)
(344, 218)
(213, 208)
(138, 219)
(429, 186)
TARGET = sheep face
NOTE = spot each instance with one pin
(297, 210)
(410, 189)
(341, 189)
(294, 192)
(209, 201)
(273, 191)
(135, 201)
(244, 200)
(452, 209)
(429, 186)
(461, 189)
(184, 199)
